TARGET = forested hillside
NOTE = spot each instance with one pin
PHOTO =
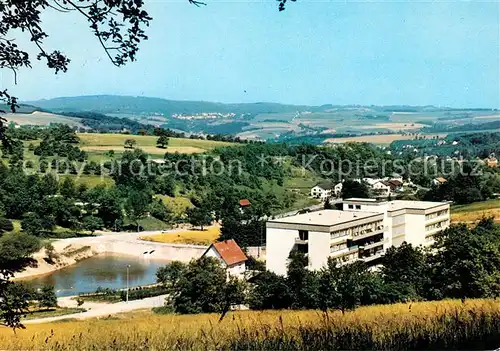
(147, 105)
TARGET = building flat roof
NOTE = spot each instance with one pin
(361, 199)
(399, 204)
(421, 205)
(325, 217)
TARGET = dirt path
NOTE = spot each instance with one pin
(103, 309)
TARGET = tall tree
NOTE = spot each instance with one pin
(68, 188)
(118, 26)
(162, 141)
(15, 254)
(405, 269)
(129, 143)
(352, 188)
(204, 287)
(269, 291)
(302, 283)
(466, 262)
(342, 287)
(199, 216)
(136, 205)
(92, 223)
(47, 297)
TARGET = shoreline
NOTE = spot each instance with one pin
(45, 268)
(34, 275)
(120, 244)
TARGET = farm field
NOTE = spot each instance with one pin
(152, 150)
(117, 141)
(475, 211)
(42, 118)
(448, 324)
(192, 237)
(380, 139)
(394, 126)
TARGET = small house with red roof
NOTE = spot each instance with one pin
(230, 255)
(244, 203)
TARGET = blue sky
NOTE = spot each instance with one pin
(315, 52)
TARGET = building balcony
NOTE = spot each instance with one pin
(368, 234)
(437, 219)
(339, 252)
(340, 239)
(435, 230)
(373, 257)
(346, 251)
(375, 244)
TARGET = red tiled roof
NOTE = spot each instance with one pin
(230, 252)
(244, 202)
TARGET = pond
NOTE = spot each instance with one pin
(106, 271)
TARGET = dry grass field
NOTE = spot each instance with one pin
(152, 150)
(448, 324)
(106, 142)
(192, 237)
(394, 126)
(378, 139)
(118, 141)
(475, 211)
(41, 119)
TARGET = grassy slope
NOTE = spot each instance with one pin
(397, 323)
(178, 205)
(475, 211)
(384, 139)
(53, 312)
(100, 143)
(41, 119)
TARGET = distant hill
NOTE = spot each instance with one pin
(148, 105)
(140, 105)
(260, 120)
(23, 108)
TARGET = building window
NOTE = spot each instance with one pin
(304, 235)
(351, 207)
(358, 207)
(303, 249)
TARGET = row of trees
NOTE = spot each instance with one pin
(466, 188)
(462, 263)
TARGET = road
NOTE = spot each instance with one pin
(102, 309)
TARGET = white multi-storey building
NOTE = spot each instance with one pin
(415, 222)
(363, 231)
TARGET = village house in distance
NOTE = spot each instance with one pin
(381, 187)
(362, 231)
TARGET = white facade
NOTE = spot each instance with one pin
(321, 193)
(412, 221)
(381, 188)
(343, 235)
(337, 189)
(364, 230)
(235, 270)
